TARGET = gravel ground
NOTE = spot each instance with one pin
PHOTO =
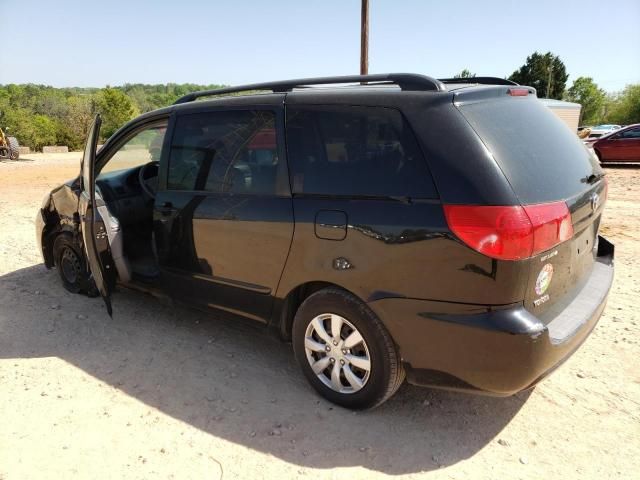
(166, 392)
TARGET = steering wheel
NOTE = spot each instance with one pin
(148, 179)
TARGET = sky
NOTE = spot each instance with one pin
(98, 43)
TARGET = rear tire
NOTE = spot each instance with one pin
(72, 266)
(13, 147)
(358, 365)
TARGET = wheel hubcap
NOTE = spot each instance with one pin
(337, 353)
(70, 265)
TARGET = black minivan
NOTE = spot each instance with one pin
(387, 225)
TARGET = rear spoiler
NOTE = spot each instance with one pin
(479, 81)
(492, 92)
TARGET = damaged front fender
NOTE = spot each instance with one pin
(58, 213)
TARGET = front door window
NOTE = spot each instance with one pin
(144, 147)
(225, 152)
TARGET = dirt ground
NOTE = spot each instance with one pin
(166, 392)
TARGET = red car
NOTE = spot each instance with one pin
(620, 146)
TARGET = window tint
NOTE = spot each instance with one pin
(224, 152)
(542, 159)
(355, 151)
(631, 133)
(144, 147)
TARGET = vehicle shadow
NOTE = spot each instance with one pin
(236, 382)
(630, 166)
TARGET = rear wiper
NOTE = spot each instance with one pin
(593, 178)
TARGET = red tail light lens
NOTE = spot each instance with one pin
(510, 232)
(498, 232)
(551, 225)
(518, 92)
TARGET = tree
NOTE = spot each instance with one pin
(77, 120)
(464, 74)
(116, 109)
(24, 108)
(586, 92)
(50, 102)
(624, 108)
(545, 72)
(43, 132)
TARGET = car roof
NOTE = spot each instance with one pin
(627, 127)
(337, 88)
(366, 95)
(256, 98)
(393, 89)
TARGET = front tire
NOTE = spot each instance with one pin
(72, 266)
(345, 351)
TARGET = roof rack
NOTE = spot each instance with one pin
(406, 81)
(480, 80)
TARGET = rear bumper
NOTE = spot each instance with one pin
(495, 351)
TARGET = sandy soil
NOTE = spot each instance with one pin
(166, 392)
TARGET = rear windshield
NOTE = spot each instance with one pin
(541, 157)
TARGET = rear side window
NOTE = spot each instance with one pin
(354, 151)
(542, 159)
(224, 152)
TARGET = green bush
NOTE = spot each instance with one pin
(39, 115)
(624, 108)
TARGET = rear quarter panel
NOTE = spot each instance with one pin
(397, 250)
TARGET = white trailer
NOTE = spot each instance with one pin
(568, 112)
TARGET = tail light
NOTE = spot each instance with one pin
(518, 92)
(510, 232)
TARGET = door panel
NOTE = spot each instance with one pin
(93, 231)
(606, 149)
(228, 251)
(629, 149)
(223, 220)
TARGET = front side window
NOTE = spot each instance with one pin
(224, 152)
(143, 147)
(355, 151)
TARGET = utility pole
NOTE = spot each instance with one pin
(364, 38)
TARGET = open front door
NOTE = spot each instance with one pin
(89, 216)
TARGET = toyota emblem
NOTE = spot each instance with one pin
(595, 201)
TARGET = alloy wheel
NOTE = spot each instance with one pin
(337, 353)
